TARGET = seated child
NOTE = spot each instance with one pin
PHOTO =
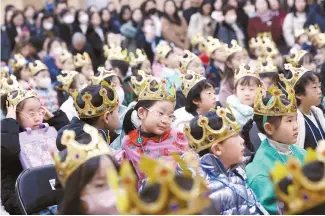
(215, 137)
(83, 65)
(275, 117)
(268, 71)
(189, 61)
(19, 67)
(65, 60)
(311, 120)
(22, 109)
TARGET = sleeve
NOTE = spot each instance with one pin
(287, 29)
(222, 35)
(10, 146)
(59, 120)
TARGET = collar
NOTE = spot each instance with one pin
(133, 135)
(280, 147)
(211, 164)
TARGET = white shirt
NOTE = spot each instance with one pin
(69, 109)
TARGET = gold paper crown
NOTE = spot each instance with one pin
(234, 48)
(151, 89)
(137, 81)
(66, 79)
(78, 154)
(4, 72)
(103, 73)
(260, 40)
(138, 57)
(65, 55)
(320, 40)
(210, 136)
(299, 32)
(275, 107)
(173, 198)
(185, 60)
(8, 84)
(197, 40)
(81, 60)
(266, 65)
(312, 31)
(189, 80)
(89, 110)
(36, 66)
(245, 70)
(297, 73)
(113, 52)
(18, 95)
(295, 57)
(212, 44)
(162, 51)
(17, 62)
(302, 194)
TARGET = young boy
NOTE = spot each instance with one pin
(311, 119)
(276, 118)
(215, 137)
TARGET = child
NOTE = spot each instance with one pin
(200, 98)
(84, 178)
(268, 71)
(83, 65)
(302, 42)
(275, 117)
(23, 110)
(154, 137)
(215, 137)
(301, 58)
(66, 60)
(189, 61)
(19, 67)
(69, 82)
(139, 61)
(311, 119)
(46, 94)
(242, 101)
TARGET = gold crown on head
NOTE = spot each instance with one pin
(36, 66)
(312, 31)
(301, 193)
(235, 47)
(162, 51)
(260, 40)
(210, 136)
(295, 56)
(319, 40)
(4, 72)
(186, 59)
(245, 70)
(17, 62)
(173, 198)
(138, 57)
(66, 79)
(162, 90)
(275, 107)
(198, 40)
(266, 65)
(297, 73)
(212, 44)
(8, 84)
(81, 60)
(114, 52)
(103, 74)
(65, 55)
(189, 80)
(137, 81)
(78, 154)
(89, 110)
(18, 95)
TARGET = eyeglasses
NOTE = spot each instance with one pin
(29, 115)
(170, 118)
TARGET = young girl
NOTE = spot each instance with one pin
(311, 119)
(275, 117)
(43, 87)
(83, 173)
(19, 67)
(83, 65)
(69, 82)
(23, 110)
(154, 137)
(215, 137)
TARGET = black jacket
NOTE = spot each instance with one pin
(97, 45)
(5, 45)
(66, 33)
(10, 163)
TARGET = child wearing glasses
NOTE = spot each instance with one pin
(153, 136)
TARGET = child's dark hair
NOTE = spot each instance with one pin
(307, 58)
(194, 94)
(229, 73)
(17, 73)
(247, 80)
(123, 66)
(96, 100)
(62, 95)
(274, 120)
(215, 122)
(274, 76)
(303, 81)
(79, 179)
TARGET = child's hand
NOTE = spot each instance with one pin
(11, 112)
(48, 115)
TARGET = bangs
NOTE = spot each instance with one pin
(248, 80)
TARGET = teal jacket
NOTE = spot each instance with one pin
(258, 172)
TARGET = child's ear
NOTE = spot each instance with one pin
(228, 63)
(196, 102)
(299, 96)
(269, 129)
(216, 149)
(142, 112)
(106, 117)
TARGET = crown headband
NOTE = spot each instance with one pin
(246, 70)
(17, 62)
(18, 95)
(137, 81)
(185, 60)
(103, 74)
(81, 60)
(189, 80)
(137, 58)
(67, 79)
(36, 67)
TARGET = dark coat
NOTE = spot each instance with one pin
(10, 163)
(5, 45)
(66, 33)
(97, 45)
(226, 33)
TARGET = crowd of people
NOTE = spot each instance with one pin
(202, 107)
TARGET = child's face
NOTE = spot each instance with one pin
(43, 80)
(219, 55)
(267, 82)
(303, 39)
(68, 65)
(258, 51)
(146, 67)
(207, 101)
(81, 82)
(96, 197)
(158, 118)
(113, 120)
(31, 115)
(87, 71)
(196, 66)
(238, 59)
(172, 61)
(25, 74)
(286, 132)
(230, 151)
(313, 94)
(246, 93)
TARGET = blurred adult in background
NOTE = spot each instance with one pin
(112, 9)
(38, 20)
(81, 22)
(149, 9)
(193, 9)
(49, 6)
(242, 17)
(29, 13)
(174, 26)
(47, 28)
(66, 25)
(96, 37)
(79, 45)
(202, 22)
(60, 6)
(107, 21)
(5, 46)
(229, 29)
(125, 14)
(264, 22)
(9, 11)
(277, 11)
(51, 60)
(92, 9)
(17, 31)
